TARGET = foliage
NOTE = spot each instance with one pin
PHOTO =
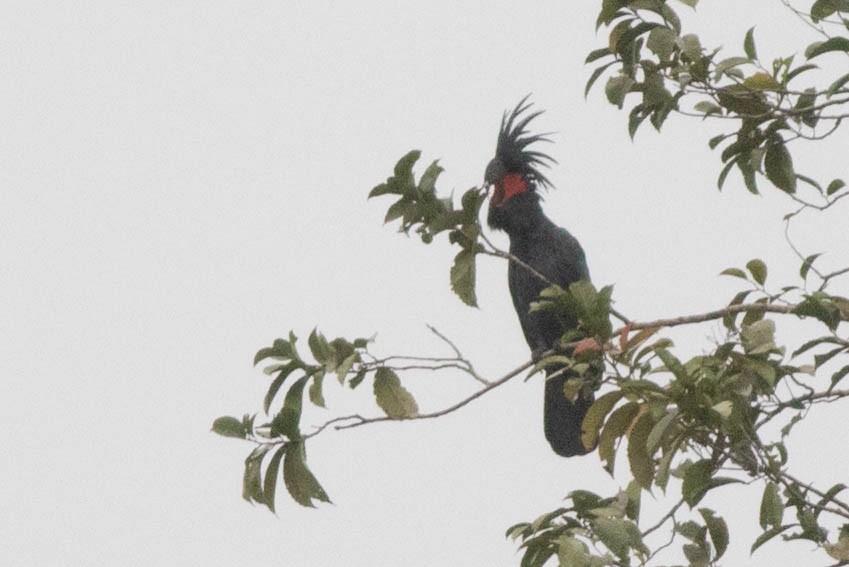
(684, 428)
(649, 55)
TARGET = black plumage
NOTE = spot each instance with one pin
(546, 248)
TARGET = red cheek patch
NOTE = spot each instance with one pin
(513, 184)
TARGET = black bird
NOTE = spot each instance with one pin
(514, 173)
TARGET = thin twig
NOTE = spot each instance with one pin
(710, 315)
(664, 519)
(491, 386)
(498, 253)
(467, 364)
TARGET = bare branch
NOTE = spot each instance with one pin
(669, 515)
(709, 316)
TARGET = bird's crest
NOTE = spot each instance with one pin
(513, 141)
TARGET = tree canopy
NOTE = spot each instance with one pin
(683, 427)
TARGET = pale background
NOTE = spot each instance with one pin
(182, 182)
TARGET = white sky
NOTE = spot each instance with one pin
(180, 183)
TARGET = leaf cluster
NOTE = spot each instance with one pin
(700, 421)
(652, 57)
(420, 209)
(281, 436)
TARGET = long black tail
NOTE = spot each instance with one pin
(563, 419)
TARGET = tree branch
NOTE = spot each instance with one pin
(359, 420)
(498, 253)
(710, 315)
(490, 386)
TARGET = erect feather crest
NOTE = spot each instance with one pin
(513, 141)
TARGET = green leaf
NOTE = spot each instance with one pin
(744, 164)
(707, 107)
(286, 422)
(820, 306)
(673, 365)
(281, 349)
(772, 507)
(571, 551)
(318, 346)
(517, 530)
(229, 427)
(401, 208)
(463, 277)
(727, 64)
(617, 87)
(730, 319)
(404, 167)
(660, 428)
(662, 474)
(597, 54)
(614, 535)
(834, 187)
(839, 375)
(831, 44)
(742, 99)
(758, 270)
(691, 46)
(806, 265)
(812, 343)
(544, 521)
(356, 380)
(720, 181)
(315, 392)
(636, 117)
(269, 486)
(820, 359)
(283, 373)
(837, 85)
(761, 82)
(299, 480)
(768, 535)
(723, 408)
(696, 554)
(595, 417)
(839, 550)
(718, 530)
(642, 467)
(661, 42)
(749, 44)
(716, 140)
(804, 105)
(584, 500)
(391, 396)
(252, 478)
(471, 202)
(632, 508)
(697, 481)
(617, 425)
(828, 497)
(762, 368)
(808, 521)
(594, 77)
(736, 272)
(822, 9)
(346, 365)
(609, 11)
(427, 183)
(402, 181)
(798, 71)
(778, 165)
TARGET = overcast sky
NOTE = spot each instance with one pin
(183, 182)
